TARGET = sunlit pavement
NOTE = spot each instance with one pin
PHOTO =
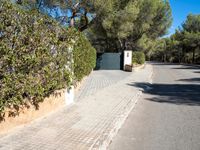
(167, 117)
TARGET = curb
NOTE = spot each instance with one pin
(103, 145)
(118, 124)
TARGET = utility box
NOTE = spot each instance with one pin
(128, 60)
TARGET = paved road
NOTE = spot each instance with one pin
(167, 117)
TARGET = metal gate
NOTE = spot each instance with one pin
(109, 61)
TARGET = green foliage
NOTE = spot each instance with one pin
(129, 21)
(119, 22)
(192, 24)
(138, 58)
(114, 20)
(184, 45)
(84, 57)
(35, 57)
(78, 8)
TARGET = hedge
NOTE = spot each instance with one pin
(138, 58)
(84, 57)
(35, 59)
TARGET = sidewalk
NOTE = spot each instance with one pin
(88, 124)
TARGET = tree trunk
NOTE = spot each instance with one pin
(121, 44)
(72, 21)
(193, 56)
(183, 55)
(125, 45)
(179, 57)
(86, 22)
(39, 4)
(19, 2)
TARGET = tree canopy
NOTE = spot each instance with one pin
(127, 24)
(132, 20)
(145, 14)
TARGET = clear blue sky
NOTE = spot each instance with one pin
(180, 10)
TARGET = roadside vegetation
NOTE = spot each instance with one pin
(36, 57)
(138, 58)
(183, 46)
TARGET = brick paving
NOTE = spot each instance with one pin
(104, 102)
(99, 80)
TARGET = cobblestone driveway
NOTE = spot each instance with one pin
(99, 80)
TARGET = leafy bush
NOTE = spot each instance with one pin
(138, 58)
(33, 57)
(84, 57)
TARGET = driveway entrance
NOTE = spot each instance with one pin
(109, 61)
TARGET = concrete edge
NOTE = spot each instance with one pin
(121, 120)
(119, 123)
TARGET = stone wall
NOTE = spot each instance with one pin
(50, 104)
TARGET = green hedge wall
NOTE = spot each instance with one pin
(35, 59)
(84, 57)
(138, 58)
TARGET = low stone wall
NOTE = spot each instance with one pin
(50, 104)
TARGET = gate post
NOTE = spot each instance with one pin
(127, 58)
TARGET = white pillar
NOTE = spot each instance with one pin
(69, 95)
(128, 58)
(69, 92)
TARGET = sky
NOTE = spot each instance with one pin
(180, 10)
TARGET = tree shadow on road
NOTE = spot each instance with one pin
(179, 94)
(188, 67)
(178, 65)
(196, 71)
(196, 80)
(163, 64)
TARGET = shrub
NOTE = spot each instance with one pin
(84, 57)
(33, 57)
(138, 58)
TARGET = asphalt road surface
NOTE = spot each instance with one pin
(167, 117)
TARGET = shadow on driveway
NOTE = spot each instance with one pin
(179, 94)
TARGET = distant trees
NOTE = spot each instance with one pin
(184, 44)
(191, 35)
